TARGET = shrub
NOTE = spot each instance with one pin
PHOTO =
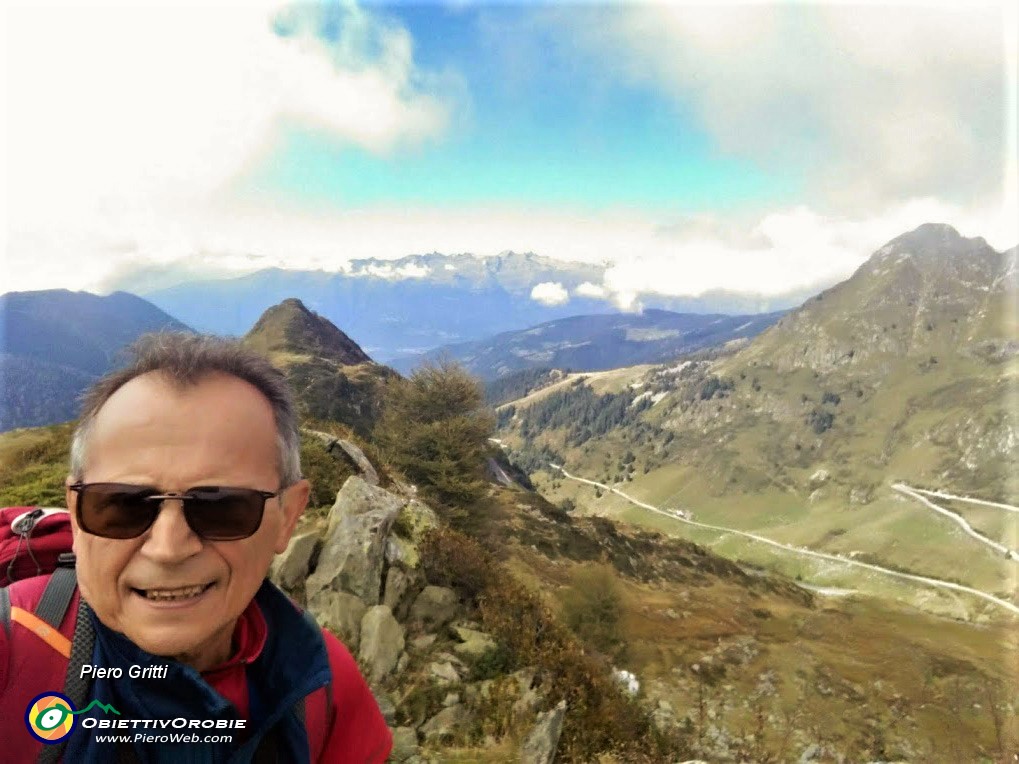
(592, 606)
(325, 472)
(820, 421)
(493, 663)
(435, 428)
(450, 558)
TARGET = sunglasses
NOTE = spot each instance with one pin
(214, 513)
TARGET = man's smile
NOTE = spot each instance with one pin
(180, 594)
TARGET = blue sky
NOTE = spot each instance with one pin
(756, 147)
(535, 128)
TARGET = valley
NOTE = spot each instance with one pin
(678, 516)
(809, 434)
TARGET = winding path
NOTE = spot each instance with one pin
(943, 495)
(914, 493)
(935, 582)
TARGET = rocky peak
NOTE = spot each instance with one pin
(292, 328)
(937, 249)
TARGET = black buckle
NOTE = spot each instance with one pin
(66, 560)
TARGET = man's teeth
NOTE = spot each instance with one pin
(174, 594)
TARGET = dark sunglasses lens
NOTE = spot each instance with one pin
(115, 511)
(224, 514)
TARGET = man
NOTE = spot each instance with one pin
(185, 482)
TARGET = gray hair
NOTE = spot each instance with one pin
(184, 359)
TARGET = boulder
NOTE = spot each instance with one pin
(445, 723)
(443, 673)
(353, 552)
(434, 607)
(356, 455)
(473, 643)
(386, 706)
(451, 699)
(415, 519)
(422, 643)
(381, 642)
(540, 745)
(819, 478)
(341, 613)
(337, 446)
(405, 744)
(394, 594)
(290, 568)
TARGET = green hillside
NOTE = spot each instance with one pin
(904, 372)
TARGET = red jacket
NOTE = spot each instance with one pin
(354, 731)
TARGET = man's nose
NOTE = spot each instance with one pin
(170, 538)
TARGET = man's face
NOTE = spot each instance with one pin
(218, 432)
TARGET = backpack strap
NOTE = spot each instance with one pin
(59, 592)
(75, 686)
(5, 610)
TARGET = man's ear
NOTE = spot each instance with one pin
(295, 499)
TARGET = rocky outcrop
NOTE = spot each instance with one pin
(382, 642)
(473, 643)
(365, 583)
(434, 608)
(405, 744)
(415, 519)
(445, 723)
(290, 569)
(341, 613)
(540, 745)
(353, 553)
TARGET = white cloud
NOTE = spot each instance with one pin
(135, 118)
(782, 251)
(550, 293)
(587, 289)
(874, 104)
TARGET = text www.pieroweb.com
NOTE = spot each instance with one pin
(181, 730)
(175, 737)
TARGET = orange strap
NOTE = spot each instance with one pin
(43, 630)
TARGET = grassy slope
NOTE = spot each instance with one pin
(840, 665)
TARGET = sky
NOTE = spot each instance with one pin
(754, 147)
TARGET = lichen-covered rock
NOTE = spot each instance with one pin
(473, 643)
(540, 745)
(443, 672)
(395, 593)
(405, 744)
(290, 568)
(445, 723)
(415, 519)
(386, 706)
(382, 642)
(341, 613)
(434, 607)
(353, 553)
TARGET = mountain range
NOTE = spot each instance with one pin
(411, 305)
(592, 343)
(53, 343)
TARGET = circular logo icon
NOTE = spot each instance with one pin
(50, 717)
